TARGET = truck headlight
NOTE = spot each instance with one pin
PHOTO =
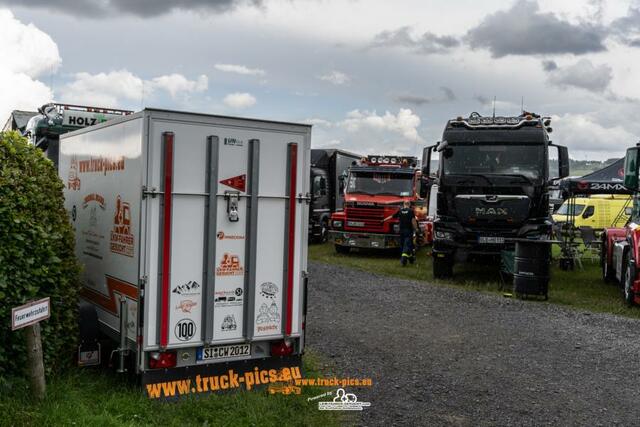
(444, 235)
(396, 228)
(337, 224)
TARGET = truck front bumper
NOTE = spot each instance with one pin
(364, 240)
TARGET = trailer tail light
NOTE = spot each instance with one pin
(165, 359)
(282, 348)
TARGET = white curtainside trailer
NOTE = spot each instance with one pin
(192, 230)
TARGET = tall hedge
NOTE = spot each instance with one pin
(36, 255)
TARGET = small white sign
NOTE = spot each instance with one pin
(30, 313)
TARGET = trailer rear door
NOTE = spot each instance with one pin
(226, 242)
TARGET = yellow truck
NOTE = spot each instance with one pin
(597, 211)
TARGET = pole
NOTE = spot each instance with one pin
(35, 365)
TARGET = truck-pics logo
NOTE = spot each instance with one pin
(234, 142)
(190, 288)
(101, 164)
(492, 211)
(186, 305)
(268, 318)
(73, 182)
(237, 182)
(121, 237)
(229, 323)
(185, 329)
(221, 235)
(268, 290)
(230, 266)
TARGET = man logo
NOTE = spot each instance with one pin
(491, 211)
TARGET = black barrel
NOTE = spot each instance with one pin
(532, 263)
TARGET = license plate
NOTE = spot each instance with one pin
(355, 223)
(491, 240)
(223, 352)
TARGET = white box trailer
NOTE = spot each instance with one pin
(192, 231)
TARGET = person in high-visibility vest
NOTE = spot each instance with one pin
(408, 226)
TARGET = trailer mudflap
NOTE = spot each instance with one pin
(175, 383)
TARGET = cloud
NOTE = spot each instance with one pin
(239, 69)
(404, 123)
(549, 65)
(524, 30)
(319, 122)
(427, 43)
(583, 74)
(111, 89)
(239, 100)
(141, 8)
(176, 84)
(337, 78)
(583, 133)
(446, 96)
(103, 89)
(627, 28)
(26, 52)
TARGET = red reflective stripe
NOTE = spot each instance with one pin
(166, 239)
(293, 159)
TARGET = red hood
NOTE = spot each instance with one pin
(379, 200)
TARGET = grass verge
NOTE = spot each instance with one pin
(98, 398)
(581, 289)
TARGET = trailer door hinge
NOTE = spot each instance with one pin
(153, 192)
(306, 198)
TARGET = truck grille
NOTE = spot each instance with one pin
(370, 218)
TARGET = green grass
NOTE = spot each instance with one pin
(97, 398)
(581, 289)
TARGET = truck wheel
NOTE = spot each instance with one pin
(342, 249)
(628, 277)
(442, 267)
(607, 273)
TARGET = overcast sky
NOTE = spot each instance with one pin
(372, 76)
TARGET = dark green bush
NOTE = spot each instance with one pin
(37, 258)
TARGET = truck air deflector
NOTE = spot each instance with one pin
(292, 163)
(253, 169)
(167, 184)
(211, 207)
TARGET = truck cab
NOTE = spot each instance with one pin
(376, 189)
(493, 185)
(44, 129)
(620, 254)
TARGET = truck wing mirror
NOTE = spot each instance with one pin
(563, 162)
(631, 168)
(426, 160)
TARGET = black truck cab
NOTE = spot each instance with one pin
(493, 185)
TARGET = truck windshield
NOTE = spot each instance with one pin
(374, 183)
(494, 159)
(574, 211)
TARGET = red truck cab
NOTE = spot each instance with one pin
(376, 189)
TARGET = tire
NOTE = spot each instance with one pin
(607, 273)
(342, 249)
(442, 267)
(628, 277)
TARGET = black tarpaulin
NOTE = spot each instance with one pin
(607, 180)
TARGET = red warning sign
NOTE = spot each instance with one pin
(237, 182)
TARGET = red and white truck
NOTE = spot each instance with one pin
(620, 252)
(376, 188)
(192, 230)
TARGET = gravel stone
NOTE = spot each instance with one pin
(446, 356)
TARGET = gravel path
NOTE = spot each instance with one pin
(443, 356)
